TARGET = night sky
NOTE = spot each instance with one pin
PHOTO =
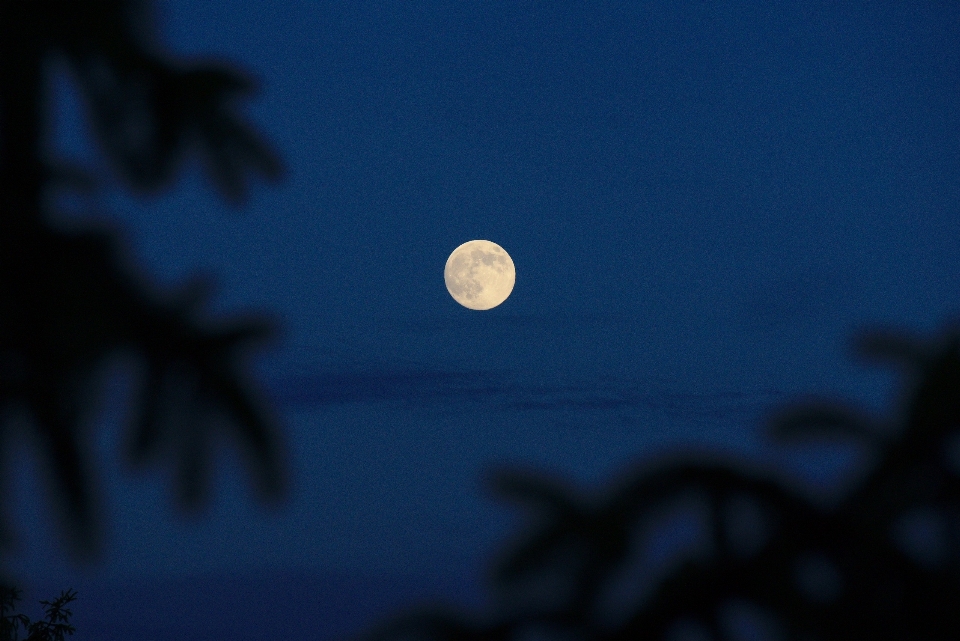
(703, 201)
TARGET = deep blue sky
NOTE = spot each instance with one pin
(702, 200)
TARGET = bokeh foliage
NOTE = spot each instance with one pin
(778, 561)
(805, 568)
(53, 627)
(70, 300)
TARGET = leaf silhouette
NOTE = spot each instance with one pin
(568, 524)
(70, 301)
(148, 111)
(191, 382)
(822, 569)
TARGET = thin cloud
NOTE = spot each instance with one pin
(332, 388)
(501, 389)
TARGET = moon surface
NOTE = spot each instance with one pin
(479, 274)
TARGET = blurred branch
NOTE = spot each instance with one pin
(818, 572)
(69, 301)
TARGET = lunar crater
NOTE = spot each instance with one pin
(479, 274)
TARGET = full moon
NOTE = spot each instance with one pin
(479, 274)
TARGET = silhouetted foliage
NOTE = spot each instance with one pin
(792, 564)
(70, 300)
(56, 625)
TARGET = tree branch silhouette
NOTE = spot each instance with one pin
(56, 625)
(70, 300)
(818, 570)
